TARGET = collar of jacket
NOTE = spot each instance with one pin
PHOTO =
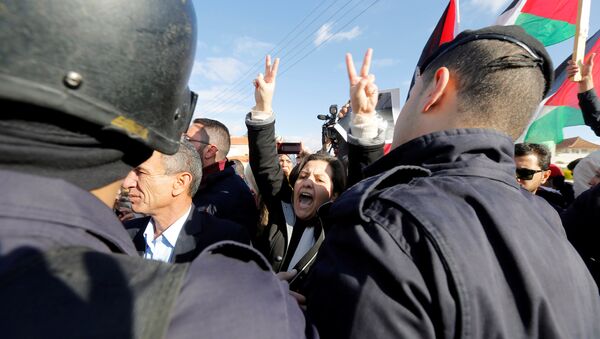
(55, 201)
(470, 152)
(213, 172)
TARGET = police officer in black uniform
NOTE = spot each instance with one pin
(88, 90)
(440, 241)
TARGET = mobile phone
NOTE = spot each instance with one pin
(289, 148)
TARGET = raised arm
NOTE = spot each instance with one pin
(261, 135)
(366, 138)
(588, 99)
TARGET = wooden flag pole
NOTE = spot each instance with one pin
(581, 34)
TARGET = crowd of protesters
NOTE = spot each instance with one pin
(123, 218)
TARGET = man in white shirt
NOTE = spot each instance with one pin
(162, 188)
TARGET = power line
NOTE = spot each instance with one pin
(329, 38)
(342, 16)
(244, 97)
(256, 66)
(233, 94)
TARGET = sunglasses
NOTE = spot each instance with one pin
(526, 173)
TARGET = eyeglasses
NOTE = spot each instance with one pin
(187, 138)
(526, 173)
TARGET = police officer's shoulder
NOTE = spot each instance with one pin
(229, 280)
(236, 251)
(352, 203)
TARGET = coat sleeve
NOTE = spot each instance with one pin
(359, 157)
(590, 106)
(264, 160)
(366, 284)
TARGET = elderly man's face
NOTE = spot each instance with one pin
(149, 186)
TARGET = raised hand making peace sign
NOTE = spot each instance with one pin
(264, 86)
(363, 91)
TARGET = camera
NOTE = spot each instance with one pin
(328, 133)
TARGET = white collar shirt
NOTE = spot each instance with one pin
(163, 246)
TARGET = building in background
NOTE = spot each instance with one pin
(571, 149)
(239, 149)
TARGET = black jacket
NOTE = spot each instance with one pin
(199, 231)
(110, 294)
(454, 249)
(225, 195)
(582, 223)
(553, 197)
(277, 195)
(590, 107)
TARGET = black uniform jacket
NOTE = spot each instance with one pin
(454, 249)
(228, 291)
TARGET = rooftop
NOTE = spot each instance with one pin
(576, 143)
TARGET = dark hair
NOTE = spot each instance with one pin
(218, 134)
(572, 164)
(496, 84)
(338, 177)
(541, 152)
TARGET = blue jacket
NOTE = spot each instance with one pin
(453, 249)
(227, 292)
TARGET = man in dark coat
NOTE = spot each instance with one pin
(173, 230)
(70, 131)
(440, 241)
(222, 192)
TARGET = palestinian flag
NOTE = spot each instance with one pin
(550, 21)
(444, 31)
(561, 109)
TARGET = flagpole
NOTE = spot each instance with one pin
(581, 33)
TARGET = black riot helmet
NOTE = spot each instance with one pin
(121, 64)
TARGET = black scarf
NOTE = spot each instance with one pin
(47, 143)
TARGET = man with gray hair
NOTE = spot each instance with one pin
(173, 231)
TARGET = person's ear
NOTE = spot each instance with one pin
(438, 87)
(545, 176)
(211, 151)
(182, 183)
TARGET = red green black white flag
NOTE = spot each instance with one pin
(550, 21)
(561, 109)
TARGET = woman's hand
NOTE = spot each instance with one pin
(264, 86)
(363, 91)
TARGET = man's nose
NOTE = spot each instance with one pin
(129, 180)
